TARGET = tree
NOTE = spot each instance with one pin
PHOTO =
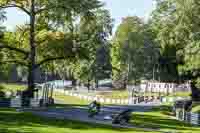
(97, 32)
(3, 68)
(47, 15)
(128, 25)
(177, 27)
(133, 52)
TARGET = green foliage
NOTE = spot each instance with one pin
(176, 23)
(133, 51)
(127, 26)
(60, 26)
(93, 35)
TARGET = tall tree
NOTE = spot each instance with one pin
(51, 14)
(128, 25)
(177, 25)
(97, 32)
(132, 51)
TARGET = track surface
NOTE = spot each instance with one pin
(81, 113)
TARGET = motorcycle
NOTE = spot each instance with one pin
(93, 109)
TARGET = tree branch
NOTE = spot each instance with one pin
(116, 69)
(16, 6)
(22, 38)
(14, 62)
(3, 46)
(49, 8)
(52, 59)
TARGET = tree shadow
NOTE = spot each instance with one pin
(66, 105)
(157, 122)
(17, 120)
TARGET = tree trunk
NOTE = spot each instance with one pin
(88, 85)
(31, 76)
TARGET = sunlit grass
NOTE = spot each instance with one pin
(196, 108)
(18, 122)
(12, 87)
(114, 94)
(70, 100)
(160, 118)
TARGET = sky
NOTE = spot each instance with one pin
(118, 9)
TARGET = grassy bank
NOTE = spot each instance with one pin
(12, 87)
(160, 118)
(19, 122)
(70, 100)
(16, 122)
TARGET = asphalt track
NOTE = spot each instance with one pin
(81, 113)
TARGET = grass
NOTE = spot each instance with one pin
(123, 94)
(196, 108)
(12, 87)
(114, 94)
(70, 100)
(160, 118)
(182, 94)
(18, 122)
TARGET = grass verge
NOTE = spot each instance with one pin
(160, 118)
(12, 87)
(70, 100)
(18, 122)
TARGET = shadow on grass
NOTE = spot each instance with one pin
(160, 122)
(164, 109)
(15, 122)
(67, 105)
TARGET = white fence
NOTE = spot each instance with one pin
(134, 100)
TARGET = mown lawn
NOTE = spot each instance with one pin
(196, 109)
(114, 94)
(123, 94)
(18, 122)
(12, 87)
(70, 100)
(161, 118)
